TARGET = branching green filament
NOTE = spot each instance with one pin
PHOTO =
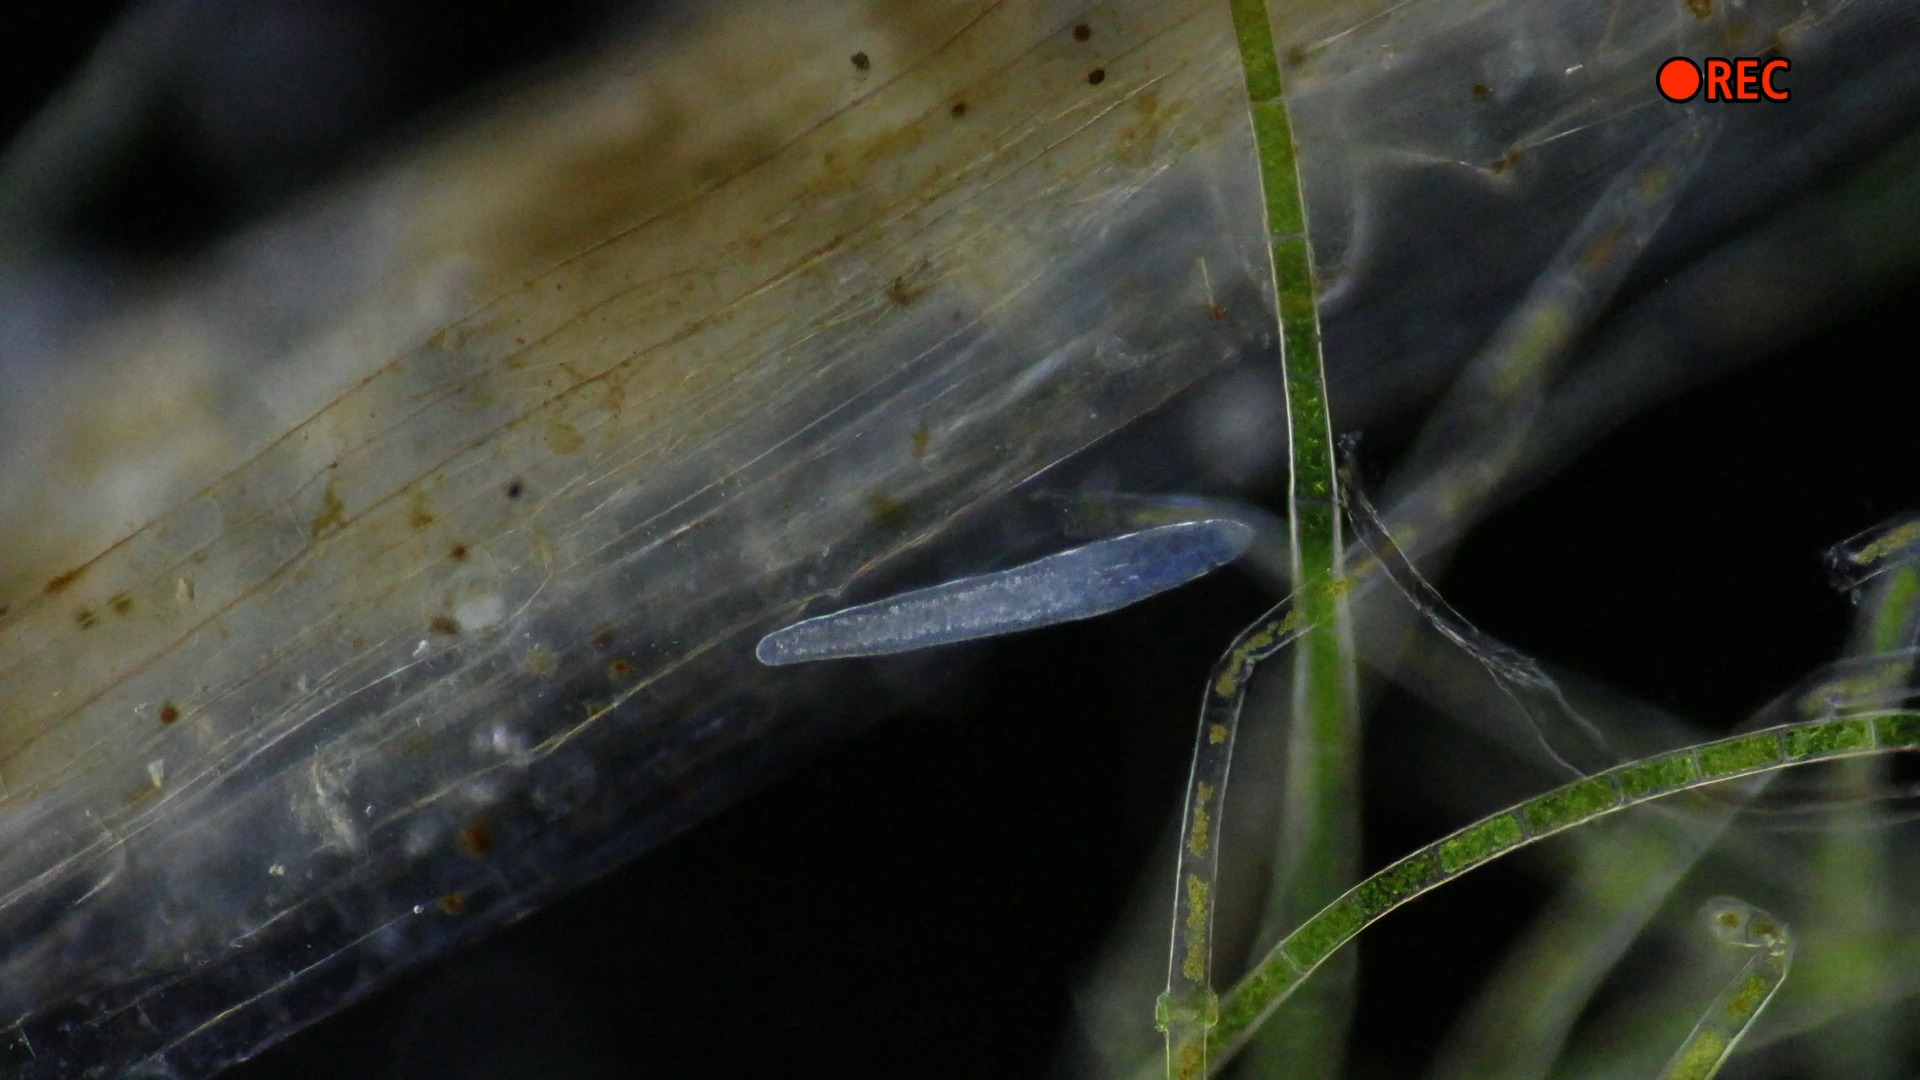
(1320, 826)
(1279, 973)
(1712, 1040)
(1188, 1007)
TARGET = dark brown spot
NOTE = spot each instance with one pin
(1482, 90)
(64, 580)
(603, 640)
(516, 488)
(358, 643)
(861, 62)
(477, 840)
(86, 618)
(1216, 312)
(1296, 55)
(1082, 32)
(169, 713)
(121, 604)
(1702, 9)
(959, 109)
(459, 552)
(1097, 76)
(453, 903)
(620, 669)
(445, 626)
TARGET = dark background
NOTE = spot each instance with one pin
(923, 899)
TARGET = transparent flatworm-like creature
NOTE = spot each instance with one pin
(1079, 583)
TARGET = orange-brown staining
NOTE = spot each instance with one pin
(444, 625)
(1082, 32)
(169, 713)
(120, 604)
(453, 903)
(1216, 312)
(862, 62)
(333, 512)
(476, 840)
(420, 510)
(458, 553)
(564, 438)
(620, 669)
(59, 584)
(1702, 9)
(1482, 90)
(1096, 76)
(1507, 161)
(86, 619)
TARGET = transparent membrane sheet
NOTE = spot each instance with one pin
(484, 623)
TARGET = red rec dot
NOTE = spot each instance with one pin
(1679, 79)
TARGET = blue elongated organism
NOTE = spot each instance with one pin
(1078, 583)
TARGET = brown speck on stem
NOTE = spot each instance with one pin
(959, 109)
(121, 604)
(459, 553)
(1482, 90)
(861, 62)
(1096, 76)
(1081, 32)
(477, 840)
(60, 583)
(620, 669)
(453, 903)
(86, 618)
(603, 640)
(169, 713)
(516, 488)
(445, 626)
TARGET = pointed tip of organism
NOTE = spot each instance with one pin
(1079, 583)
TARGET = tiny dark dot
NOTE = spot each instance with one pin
(86, 619)
(959, 109)
(516, 488)
(861, 62)
(459, 552)
(121, 604)
(1082, 32)
(1481, 90)
(169, 713)
(1097, 76)
(444, 626)
(603, 639)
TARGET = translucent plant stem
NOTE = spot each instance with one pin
(1277, 975)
